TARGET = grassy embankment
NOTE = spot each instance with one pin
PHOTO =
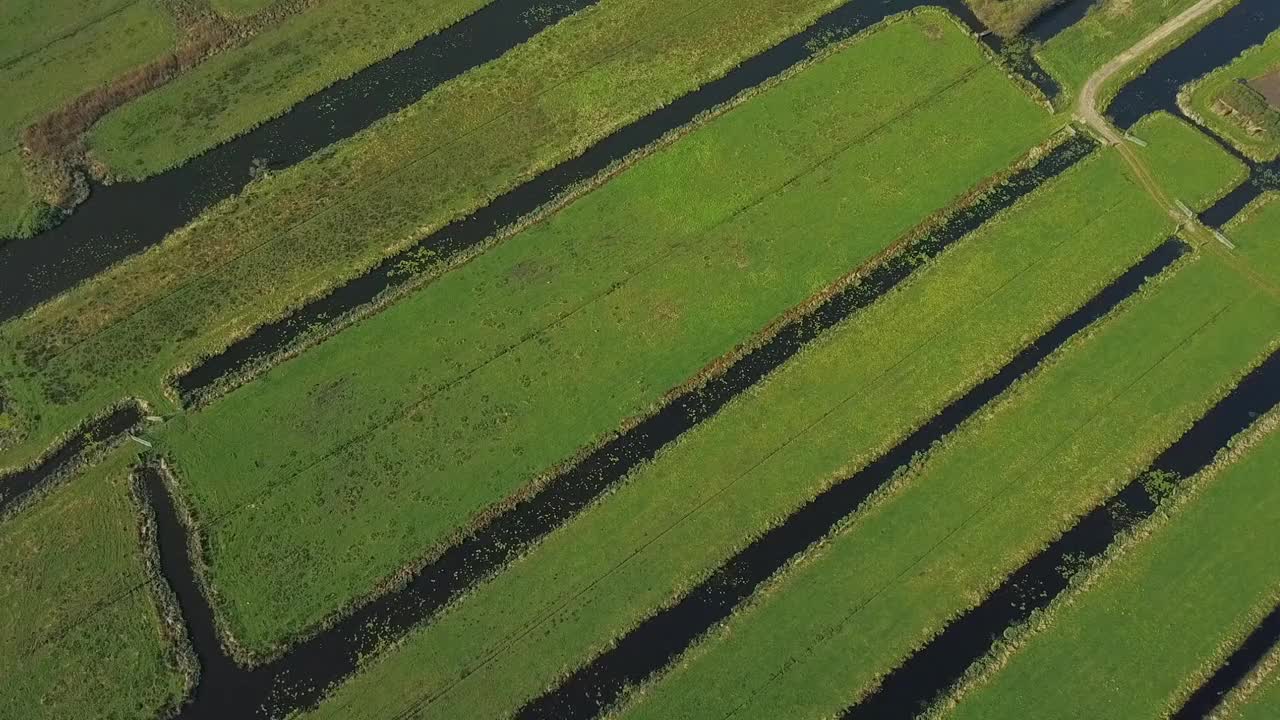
(51, 52)
(1225, 104)
(303, 230)
(232, 93)
(1009, 17)
(826, 413)
(81, 630)
(1110, 28)
(1178, 155)
(553, 338)
(981, 506)
(1128, 642)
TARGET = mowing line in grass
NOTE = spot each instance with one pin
(456, 439)
(912, 687)
(1130, 641)
(977, 509)
(663, 637)
(701, 499)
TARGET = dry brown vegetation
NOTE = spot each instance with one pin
(53, 145)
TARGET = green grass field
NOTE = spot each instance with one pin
(777, 199)
(999, 490)
(306, 229)
(29, 26)
(1009, 17)
(1111, 27)
(1181, 158)
(1206, 97)
(835, 407)
(233, 92)
(52, 52)
(80, 629)
(1162, 615)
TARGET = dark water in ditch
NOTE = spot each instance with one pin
(299, 678)
(121, 219)
(1058, 18)
(1240, 663)
(255, 350)
(664, 636)
(16, 486)
(930, 672)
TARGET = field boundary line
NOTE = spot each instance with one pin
(67, 35)
(999, 492)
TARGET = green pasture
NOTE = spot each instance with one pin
(776, 200)
(236, 90)
(1162, 615)
(1226, 105)
(1181, 158)
(79, 625)
(306, 229)
(999, 490)
(844, 400)
(29, 26)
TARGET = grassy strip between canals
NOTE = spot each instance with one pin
(1241, 102)
(1181, 158)
(1168, 607)
(301, 231)
(979, 506)
(833, 408)
(82, 633)
(232, 93)
(1110, 27)
(50, 52)
(776, 200)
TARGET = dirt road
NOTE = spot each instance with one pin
(1087, 106)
